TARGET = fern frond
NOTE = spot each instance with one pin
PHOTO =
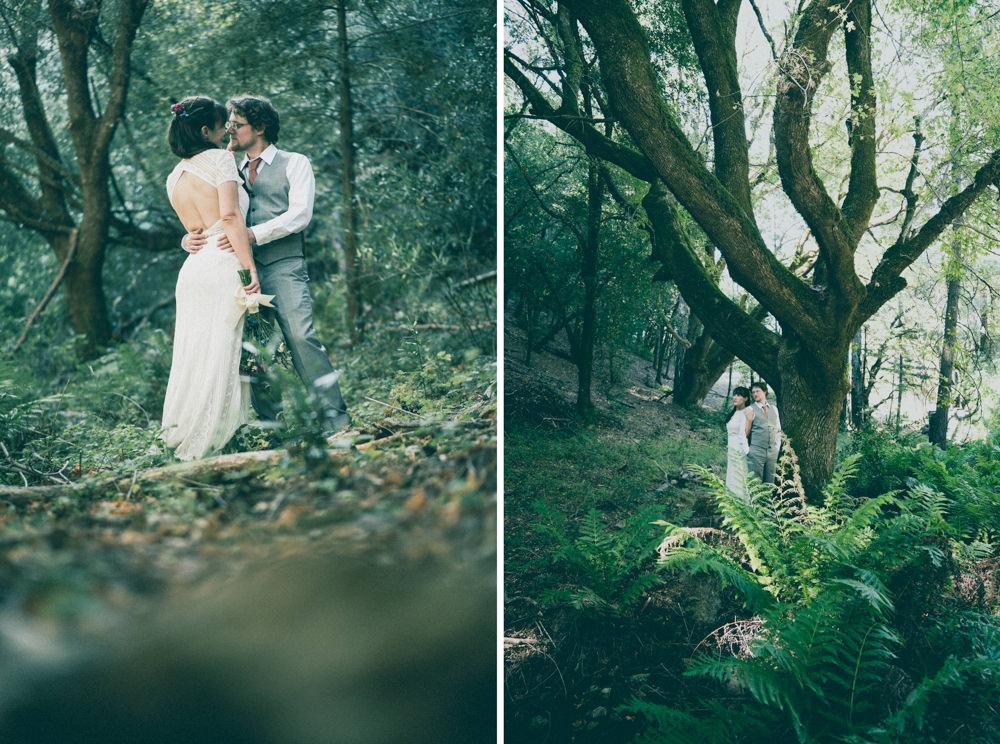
(704, 559)
(835, 496)
(952, 675)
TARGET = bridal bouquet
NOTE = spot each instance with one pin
(263, 347)
(251, 302)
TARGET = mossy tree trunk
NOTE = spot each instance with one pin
(805, 359)
(63, 193)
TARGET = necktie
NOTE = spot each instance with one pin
(252, 167)
(765, 405)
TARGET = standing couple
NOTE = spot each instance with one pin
(251, 217)
(754, 437)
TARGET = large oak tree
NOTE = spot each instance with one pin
(805, 360)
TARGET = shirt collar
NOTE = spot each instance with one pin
(267, 156)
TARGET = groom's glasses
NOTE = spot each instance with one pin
(235, 124)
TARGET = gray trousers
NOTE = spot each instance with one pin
(763, 462)
(288, 281)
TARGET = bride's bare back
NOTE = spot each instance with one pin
(204, 189)
(196, 202)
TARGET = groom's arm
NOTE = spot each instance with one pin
(301, 194)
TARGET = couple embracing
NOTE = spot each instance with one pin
(754, 437)
(248, 218)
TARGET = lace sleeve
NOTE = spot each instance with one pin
(224, 167)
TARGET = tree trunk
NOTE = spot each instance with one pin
(810, 398)
(85, 302)
(704, 363)
(899, 394)
(352, 269)
(588, 273)
(938, 430)
(938, 424)
(86, 305)
(859, 402)
(657, 348)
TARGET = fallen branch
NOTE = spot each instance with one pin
(439, 327)
(19, 495)
(214, 466)
(477, 279)
(50, 291)
(509, 641)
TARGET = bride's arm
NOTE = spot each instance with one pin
(236, 231)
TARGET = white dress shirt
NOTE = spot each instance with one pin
(301, 194)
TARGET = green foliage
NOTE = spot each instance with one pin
(604, 571)
(440, 382)
(966, 477)
(105, 417)
(830, 651)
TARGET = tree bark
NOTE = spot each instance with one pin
(813, 390)
(859, 398)
(348, 181)
(938, 424)
(704, 363)
(75, 27)
(589, 251)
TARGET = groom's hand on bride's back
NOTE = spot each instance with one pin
(194, 241)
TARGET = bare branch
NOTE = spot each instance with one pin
(886, 280)
(802, 68)
(862, 190)
(49, 292)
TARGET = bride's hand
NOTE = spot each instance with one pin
(254, 285)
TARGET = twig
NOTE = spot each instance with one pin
(680, 339)
(763, 28)
(477, 279)
(439, 327)
(51, 290)
(389, 405)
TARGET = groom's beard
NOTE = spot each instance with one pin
(356, 651)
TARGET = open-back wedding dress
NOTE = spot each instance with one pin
(206, 402)
(736, 452)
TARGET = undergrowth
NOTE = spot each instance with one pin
(873, 616)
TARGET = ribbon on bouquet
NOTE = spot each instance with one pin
(252, 302)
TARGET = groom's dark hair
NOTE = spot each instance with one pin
(760, 384)
(259, 112)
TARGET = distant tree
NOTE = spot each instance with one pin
(69, 205)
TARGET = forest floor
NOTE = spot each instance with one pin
(414, 485)
(629, 465)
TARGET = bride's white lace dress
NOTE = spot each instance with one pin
(206, 402)
(736, 452)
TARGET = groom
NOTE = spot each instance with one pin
(765, 434)
(282, 188)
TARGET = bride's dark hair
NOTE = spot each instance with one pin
(190, 115)
(745, 393)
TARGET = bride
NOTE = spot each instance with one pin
(738, 425)
(205, 401)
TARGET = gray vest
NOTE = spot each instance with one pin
(268, 199)
(764, 433)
